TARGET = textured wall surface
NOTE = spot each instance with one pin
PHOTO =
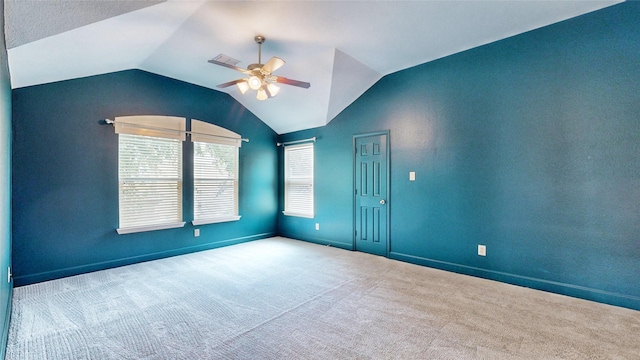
(5, 189)
(65, 173)
(528, 145)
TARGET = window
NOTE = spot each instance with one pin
(149, 173)
(215, 173)
(298, 180)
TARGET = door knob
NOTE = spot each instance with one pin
(382, 202)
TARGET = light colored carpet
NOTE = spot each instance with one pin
(285, 299)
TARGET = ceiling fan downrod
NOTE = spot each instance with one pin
(259, 39)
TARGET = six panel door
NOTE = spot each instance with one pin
(370, 191)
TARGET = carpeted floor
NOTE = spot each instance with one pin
(285, 299)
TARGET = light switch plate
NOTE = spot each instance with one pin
(482, 250)
(412, 176)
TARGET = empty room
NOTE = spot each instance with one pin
(320, 179)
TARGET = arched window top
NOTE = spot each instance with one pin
(170, 127)
(205, 132)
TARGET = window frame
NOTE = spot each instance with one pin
(135, 137)
(306, 180)
(169, 127)
(206, 133)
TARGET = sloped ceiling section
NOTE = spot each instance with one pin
(350, 79)
(340, 47)
(54, 16)
(118, 43)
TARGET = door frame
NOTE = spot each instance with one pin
(388, 189)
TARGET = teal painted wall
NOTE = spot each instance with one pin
(65, 177)
(529, 145)
(5, 189)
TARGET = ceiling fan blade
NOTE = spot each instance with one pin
(284, 80)
(233, 67)
(230, 83)
(273, 64)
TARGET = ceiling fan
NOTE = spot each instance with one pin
(260, 76)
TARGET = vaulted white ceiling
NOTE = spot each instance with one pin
(341, 47)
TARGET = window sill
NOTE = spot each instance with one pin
(130, 230)
(308, 216)
(215, 220)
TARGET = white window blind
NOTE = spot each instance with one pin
(298, 162)
(215, 172)
(149, 173)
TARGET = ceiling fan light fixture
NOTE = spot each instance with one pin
(259, 74)
(255, 82)
(262, 95)
(273, 89)
(243, 86)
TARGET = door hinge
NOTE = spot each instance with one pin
(356, 233)
(356, 191)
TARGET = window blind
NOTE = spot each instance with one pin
(215, 173)
(150, 183)
(215, 169)
(299, 200)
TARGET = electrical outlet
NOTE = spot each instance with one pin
(317, 226)
(412, 176)
(196, 232)
(482, 250)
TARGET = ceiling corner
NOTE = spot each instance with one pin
(350, 79)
